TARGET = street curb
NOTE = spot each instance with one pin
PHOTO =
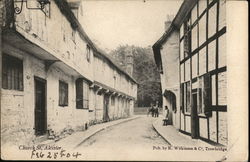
(101, 129)
(153, 124)
(199, 142)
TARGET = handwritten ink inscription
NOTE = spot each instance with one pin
(44, 151)
(39, 154)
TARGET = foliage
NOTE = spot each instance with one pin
(145, 72)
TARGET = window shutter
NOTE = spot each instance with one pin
(207, 95)
(200, 101)
(182, 98)
(79, 94)
(66, 95)
(60, 93)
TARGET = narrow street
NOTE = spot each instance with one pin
(132, 137)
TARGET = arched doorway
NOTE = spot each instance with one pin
(170, 99)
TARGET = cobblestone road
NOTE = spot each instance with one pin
(133, 138)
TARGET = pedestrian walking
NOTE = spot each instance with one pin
(156, 109)
(152, 110)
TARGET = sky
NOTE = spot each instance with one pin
(111, 23)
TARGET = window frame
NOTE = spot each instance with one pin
(82, 94)
(12, 73)
(63, 88)
(85, 95)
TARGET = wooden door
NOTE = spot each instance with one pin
(40, 107)
(194, 117)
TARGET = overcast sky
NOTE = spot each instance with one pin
(112, 23)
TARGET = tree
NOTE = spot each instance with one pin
(145, 72)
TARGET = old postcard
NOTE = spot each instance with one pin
(148, 80)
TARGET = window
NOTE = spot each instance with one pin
(188, 94)
(82, 94)
(185, 97)
(79, 94)
(85, 95)
(63, 93)
(181, 50)
(204, 92)
(182, 97)
(187, 38)
(12, 73)
(88, 53)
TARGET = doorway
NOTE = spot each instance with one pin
(106, 108)
(194, 117)
(40, 107)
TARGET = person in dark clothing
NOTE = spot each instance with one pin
(152, 109)
(165, 120)
(156, 109)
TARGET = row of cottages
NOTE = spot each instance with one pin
(191, 57)
(54, 79)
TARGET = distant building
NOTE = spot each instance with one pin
(191, 56)
(54, 78)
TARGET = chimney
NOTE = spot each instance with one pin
(168, 21)
(129, 61)
(167, 25)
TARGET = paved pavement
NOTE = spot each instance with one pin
(138, 138)
(137, 133)
(174, 137)
(131, 140)
(179, 140)
(72, 141)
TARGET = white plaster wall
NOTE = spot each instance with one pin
(17, 107)
(169, 78)
(54, 34)
(67, 116)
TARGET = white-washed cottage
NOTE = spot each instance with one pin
(54, 80)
